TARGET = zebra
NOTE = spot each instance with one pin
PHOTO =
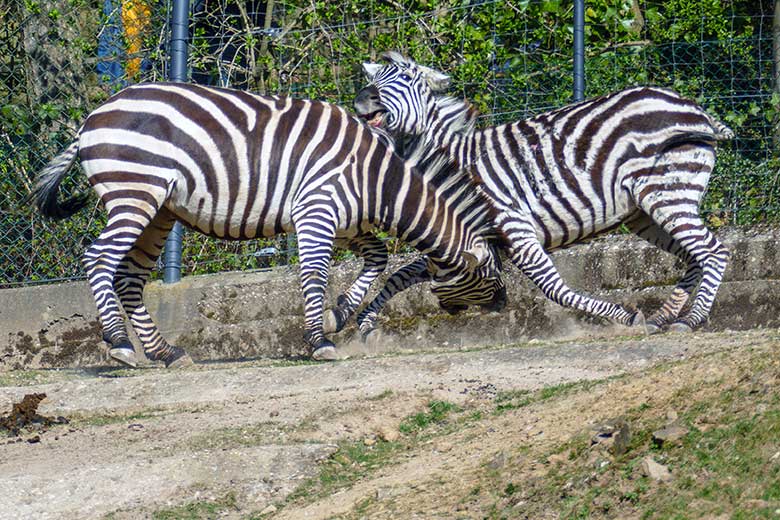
(234, 165)
(640, 157)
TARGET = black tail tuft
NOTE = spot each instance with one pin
(47, 187)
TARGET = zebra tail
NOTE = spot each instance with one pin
(720, 132)
(47, 186)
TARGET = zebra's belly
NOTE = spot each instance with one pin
(560, 225)
(229, 222)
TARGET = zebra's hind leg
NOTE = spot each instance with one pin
(374, 254)
(316, 234)
(129, 281)
(101, 259)
(647, 229)
(402, 279)
(671, 195)
(682, 222)
(529, 256)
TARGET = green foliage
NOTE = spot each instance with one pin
(511, 59)
(437, 413)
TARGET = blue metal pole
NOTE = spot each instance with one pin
(579, 50)
(180, 20)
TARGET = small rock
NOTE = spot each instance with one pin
(274, 413)
(383, 493)
(388, 434)
(268, 510)
(614, 435)
(135, 427)
(498, 461)
(655, 471)
(34, 439)
(369, 441)
(670, 434)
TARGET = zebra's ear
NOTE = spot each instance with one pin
(477, 255)
(370, 69)
(438, 81)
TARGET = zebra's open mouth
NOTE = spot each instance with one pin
(374, 119)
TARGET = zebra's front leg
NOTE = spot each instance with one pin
(316, 234)
(402, 279)
(374, 254)
(529, 255)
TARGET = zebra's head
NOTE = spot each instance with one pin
(399, 94)
(475, 282)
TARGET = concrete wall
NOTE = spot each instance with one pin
(260, 314)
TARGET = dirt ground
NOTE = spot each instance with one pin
(140, 442)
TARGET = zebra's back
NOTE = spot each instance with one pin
(228, 163)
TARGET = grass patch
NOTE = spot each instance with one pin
(198, 510)
(437, 413)
(106, 419)
(727, 465)
(32, 377)
(355, 460)
(514, 399)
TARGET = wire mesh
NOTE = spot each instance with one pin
(61, 58)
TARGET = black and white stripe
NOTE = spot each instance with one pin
(235, 165)
(640, 157)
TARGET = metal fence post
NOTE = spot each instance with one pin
(180, 19)
(579, 50)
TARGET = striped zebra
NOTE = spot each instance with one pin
(235, 165)
(641, 157)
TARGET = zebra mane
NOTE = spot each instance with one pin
(447, 176)
(460, 114)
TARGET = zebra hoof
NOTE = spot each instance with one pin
(637, 320)
(180, 362)
(332, 321)
(123, 354)
(326, 353)
(653, 328)
(366, 328)
(173, 357)
(680, 326)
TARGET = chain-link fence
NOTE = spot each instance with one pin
(61, 58)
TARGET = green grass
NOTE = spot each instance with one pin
(106, 419)
(514, 399)
(29, 377)
(437, 413)
(355, 460)
(723, 466)
(198, 510)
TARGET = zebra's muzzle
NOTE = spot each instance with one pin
(498, 303)
(369, 107)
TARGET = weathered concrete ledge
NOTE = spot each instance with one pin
(260, 314)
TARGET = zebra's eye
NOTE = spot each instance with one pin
(406, 77)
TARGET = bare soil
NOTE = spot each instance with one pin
(145, 441)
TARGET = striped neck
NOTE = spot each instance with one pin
(437, 210)
(453, 128)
